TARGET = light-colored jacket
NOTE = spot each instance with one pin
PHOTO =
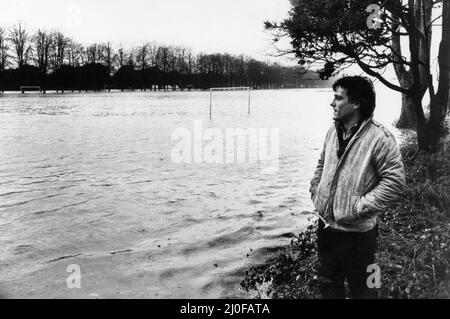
(350, 191)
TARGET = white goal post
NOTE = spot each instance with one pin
(239, 88)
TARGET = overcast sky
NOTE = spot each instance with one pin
(234, 26)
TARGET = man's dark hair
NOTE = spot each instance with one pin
(359, 90)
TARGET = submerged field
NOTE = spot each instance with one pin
(88, 180)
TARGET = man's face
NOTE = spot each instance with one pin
(344, 110)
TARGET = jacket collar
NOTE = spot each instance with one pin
(362, 128)
(364, 124)
(343, 132)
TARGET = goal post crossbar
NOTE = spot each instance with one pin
(236, 88)
(219, 89)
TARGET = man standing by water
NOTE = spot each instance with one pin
(359, 174)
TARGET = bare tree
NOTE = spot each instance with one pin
(42, 41)
(3, 50)
(163, 58)
(74, 53)
(180, 56)
(153, 49)
(107, 56)
(92, 53)
(120, 57)
(83, 55)
(21, 43)
(61, 42)
(58, 50)
(190, 62)
(130, 60)
(172, 58)
(142, 56)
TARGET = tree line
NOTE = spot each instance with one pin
(54, 61)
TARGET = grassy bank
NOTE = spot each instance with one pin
(413, 245)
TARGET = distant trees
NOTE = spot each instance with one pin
(142, 55)
(54, 61)
(4, 56)
(42, 42)
(75, 54)
(108, 57)
(93, 53)
(21, 45)
(59, 50)
(120, 58)
(3, 50)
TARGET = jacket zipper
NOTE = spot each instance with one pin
(329, 208)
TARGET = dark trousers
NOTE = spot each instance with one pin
(345, 255)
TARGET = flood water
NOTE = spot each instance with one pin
(87, 179)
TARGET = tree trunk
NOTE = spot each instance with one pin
(434, 131)
(423, 139)
(407, 116)
(439, 101)
(428, 131)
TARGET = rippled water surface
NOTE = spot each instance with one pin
(87, 179)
